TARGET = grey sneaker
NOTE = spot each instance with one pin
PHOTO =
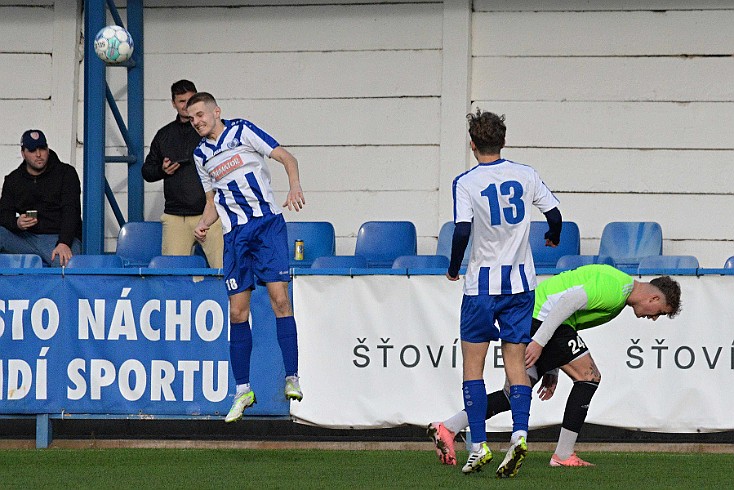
(293, 388)
(241, 402)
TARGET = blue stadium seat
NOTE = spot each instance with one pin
(421, 262)
(548, 256)
(668, 262)
(445, 236)
(319, 240)
(177, 262)
(628, 241)
(729, 264)
(381, 242)
(138, 242)
(568, 262)
(94, 261)
(20, 261)
(339, 262)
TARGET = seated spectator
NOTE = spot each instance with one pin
(40, 205)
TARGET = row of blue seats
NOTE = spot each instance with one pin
(649, 263)
(25, 261)
(381, 242)
(566, 262)
(138, 245)
(361, 262)
(633, 246)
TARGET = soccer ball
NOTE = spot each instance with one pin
(113, 44)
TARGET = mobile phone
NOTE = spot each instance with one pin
(185, 161)
(32, 213)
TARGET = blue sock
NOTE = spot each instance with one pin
(288, 342)
(520, 396)
(475, 404)
(240, 351)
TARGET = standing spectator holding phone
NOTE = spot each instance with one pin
(170, 159)
(40, 205)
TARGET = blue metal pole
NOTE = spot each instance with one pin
(117, 115)
(44, 431)
(113, 204)
(135, 120)
(94, 131)
(115, 14)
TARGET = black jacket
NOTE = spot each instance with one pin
(55, 194)
(182, 191)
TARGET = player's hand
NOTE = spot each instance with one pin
(200, 232)
(549, 243)
(64, 253)
(451, 278)
(170, 167)
(24, 222)
(548, 386)
(295, 200)
(532, 353)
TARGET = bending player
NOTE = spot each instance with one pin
(564, 304)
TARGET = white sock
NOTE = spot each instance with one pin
(457, 423)
(566, 443)
(476, 446)
(517, 435)
(242, 389)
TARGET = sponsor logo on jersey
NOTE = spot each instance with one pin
(226, 167)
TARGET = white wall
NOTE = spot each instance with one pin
(352, 90)
(625, 110)
(38, 75)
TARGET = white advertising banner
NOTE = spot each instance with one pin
(383, 351)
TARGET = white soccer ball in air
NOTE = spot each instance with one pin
(113, 44)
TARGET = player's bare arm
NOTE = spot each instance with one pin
(295, 200)
(532, 354)
(208, 218)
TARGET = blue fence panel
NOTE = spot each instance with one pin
(120, 344)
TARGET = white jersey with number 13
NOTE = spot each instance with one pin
(496, 198)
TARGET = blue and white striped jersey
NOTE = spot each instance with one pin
(234, 167)
(496, 198)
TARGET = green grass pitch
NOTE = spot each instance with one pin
(246, 468)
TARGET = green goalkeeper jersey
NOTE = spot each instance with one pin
(607, 290)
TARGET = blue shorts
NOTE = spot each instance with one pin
(513, 313)
(258, 248)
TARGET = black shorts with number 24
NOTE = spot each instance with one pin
(563, 347)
